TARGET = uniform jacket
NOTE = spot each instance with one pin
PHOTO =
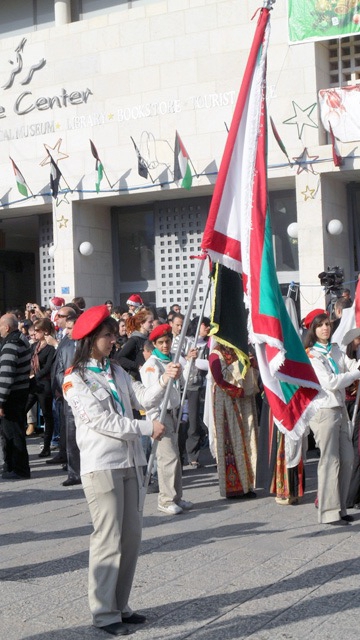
(106, 439)
(150, 373)
(334, 384)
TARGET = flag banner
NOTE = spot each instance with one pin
(99, 167)
(238, 235)
(142, 166)
(348, 328)
(338, 161)
(55, 175)
(340, 108)
(182, 169)
(228, 304)
(20, 180)
(278, 139)
(322, 19)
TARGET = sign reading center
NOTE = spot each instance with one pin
(25, 101)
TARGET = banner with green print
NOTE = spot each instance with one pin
(322, 19)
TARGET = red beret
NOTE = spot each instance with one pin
(312, 315)
(89, 321)
(160, 331)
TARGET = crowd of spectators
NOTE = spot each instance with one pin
(42, 339)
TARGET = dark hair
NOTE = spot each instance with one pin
(311, 337)
(161, 313)
(80, 302)
(108, 302)
(44, 324)
(342, 303)
(194, 323)
(177, 315)
(85, 345)
(148, 345)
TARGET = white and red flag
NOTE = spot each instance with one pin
(238, 235)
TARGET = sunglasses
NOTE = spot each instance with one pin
(61, 315)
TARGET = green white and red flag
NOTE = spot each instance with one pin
(99, 167)
(238, 235)
(182, 170)
(20, 180)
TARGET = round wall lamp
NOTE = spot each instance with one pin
(293, 230)
(86, 249)
(335, 227)
(51, 251)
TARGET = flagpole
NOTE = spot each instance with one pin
(176, 359)
(196, 173)
(183, 397)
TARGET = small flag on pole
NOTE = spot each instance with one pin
(182, 169)
(55, 175)
(99, 167)
(142, 166)
(278, 139)
(338, 160)
(20, 180)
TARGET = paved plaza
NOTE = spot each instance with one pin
(226, 570)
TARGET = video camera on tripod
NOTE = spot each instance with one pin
(332, 279)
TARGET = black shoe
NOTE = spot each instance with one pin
(56, 460)
(45, 453)
(12, 475)
(153, 488)
(116, 629)
(348, 518)
(71, 481)
(135, 618)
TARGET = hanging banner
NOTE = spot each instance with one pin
(322, 19)
(340, 108)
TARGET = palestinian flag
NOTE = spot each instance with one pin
(238, 235)
(182, 169)
(142, 166)
(55, 175)
(99, 167)
(20, 180)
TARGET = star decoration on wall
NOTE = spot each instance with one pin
(62, 222)
(309, 194)
(110, 116)
(62, 199)
(302, 118)
(55, 152)
(304, 162)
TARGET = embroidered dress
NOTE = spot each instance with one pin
(235, 423)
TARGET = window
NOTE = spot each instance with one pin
(18, 16)
(282, 213)
(344, 60)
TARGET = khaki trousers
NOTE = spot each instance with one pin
(332, 435)
(168, 465)
(113, 499)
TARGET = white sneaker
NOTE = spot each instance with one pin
(186, 505)
(171, 509)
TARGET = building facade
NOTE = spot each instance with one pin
(123, 72)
